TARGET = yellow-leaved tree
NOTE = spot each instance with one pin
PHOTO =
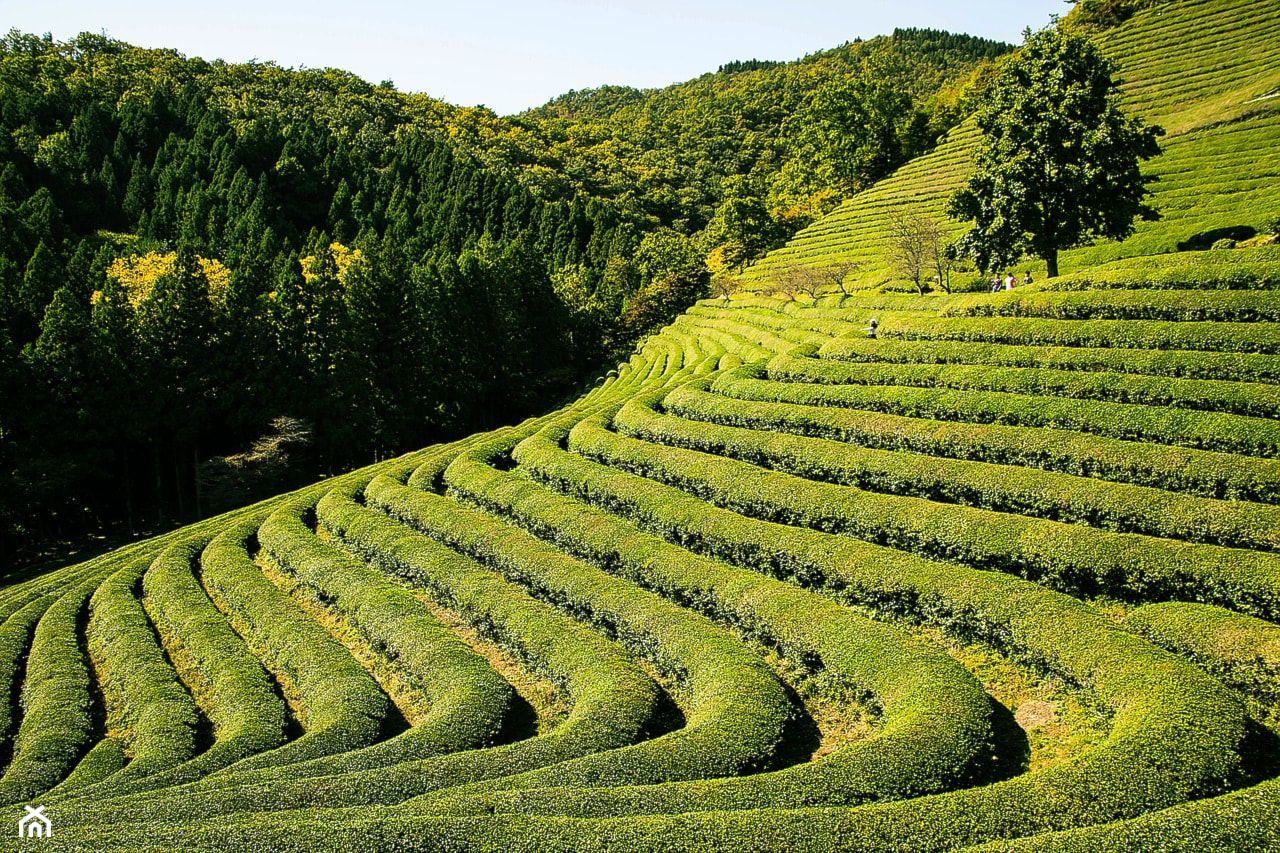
(137, 274)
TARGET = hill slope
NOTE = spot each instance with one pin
(1021, 503)
(1206, 71)
(1006, 577)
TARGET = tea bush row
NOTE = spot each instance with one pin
(1197, 472)
(340, 706)
(1160, 703)
(935, 716)
(738, 707)
(1081, 560)
(1183, 427)
(1225, 366)
(1239, 398)
(1005, 488)
(468, 699)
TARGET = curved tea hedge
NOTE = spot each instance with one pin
(683, 556)
(1005, 577)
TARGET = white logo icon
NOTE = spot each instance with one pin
(35, 824)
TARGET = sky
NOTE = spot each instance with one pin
(511, 55)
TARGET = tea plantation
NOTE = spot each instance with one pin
(1005, 577)
(1207, 71)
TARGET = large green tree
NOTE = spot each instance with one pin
(1059, 163)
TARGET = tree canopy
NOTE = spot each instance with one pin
(1059, 165)
(191, 250)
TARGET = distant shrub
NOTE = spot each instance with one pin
(1224, 243)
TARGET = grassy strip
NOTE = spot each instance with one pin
(1197, 472)
(1004, 488)
(1162, 695)
(1239, 398)
(18, 596)
(779, 324)
(103, 761)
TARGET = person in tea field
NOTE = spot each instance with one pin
(1027, 278)
(871, 329)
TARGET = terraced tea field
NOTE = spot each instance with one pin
(1006, 577)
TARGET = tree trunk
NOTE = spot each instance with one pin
(1051, 259)
(177, 480)
(128, 494)
(155, 447)
(195, 478)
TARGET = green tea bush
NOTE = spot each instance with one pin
(1174, 305)
(469, 700)
(1198, 472)
(1241, 651)
(340, 706)
(1127, 334)
(935, 717)
(738, 708)
(1187, 428)
(58, 709)
(1005, 488)
(1076, 559)
(157, 712)
(1240, 398)
(248, 717)
(1240, 269)
(1230, 366)
(15, 641)
(1018, 615)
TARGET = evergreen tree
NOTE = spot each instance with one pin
(43, 276)
(61, 354)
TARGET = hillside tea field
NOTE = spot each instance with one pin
(1006, 577)
(1206, 71)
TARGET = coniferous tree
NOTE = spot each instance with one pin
(43, 276)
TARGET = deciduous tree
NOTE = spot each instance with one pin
(1059, 163)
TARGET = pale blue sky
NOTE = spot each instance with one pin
(512, 55)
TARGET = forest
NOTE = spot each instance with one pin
(220, 280)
